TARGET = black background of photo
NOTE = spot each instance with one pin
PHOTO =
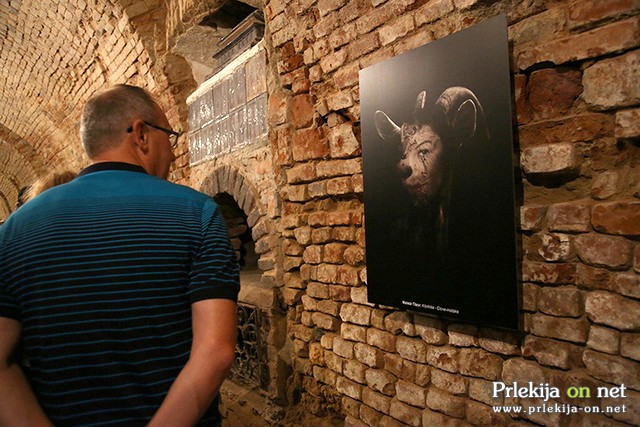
(481, 283)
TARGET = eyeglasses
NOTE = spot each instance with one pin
(172, 134)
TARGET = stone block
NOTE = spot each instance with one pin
(430, 329)
(630, 345)
(613, 83)
(381, 381)
(605, 251)
(564, 328)
(325, 321)
(547, 352)
(451, 383)
(309, 144)
(343, 348)
(414, 349)
(433, 11)
(400, 367)
(560, 301)
(612, 369)
(620, 217)
(400, 322)
(522, 371)
(383, 340)
(370, 356)
(604, 340)
(532, 217)
(355, 371)
(439, 400)
(628, 124)
(570, 216)
(605, 185)
(396, 29)
(342, 141)
(376, 400)
(550, 247)
(482, 391)
(410, 393)
(583, 14)
(445, 358)
(317, 290)
(333, 361)
(499, 341)
(613, 310)
(349, 388)
(370, 416)
(600, 41)
(479, 363)
(553, 91)
(405, 413)
(463, 335)
(558, 158)
(353, 332)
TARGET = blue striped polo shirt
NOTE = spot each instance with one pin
(102, 272)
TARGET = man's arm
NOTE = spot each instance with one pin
(18, 405)
(212, 355)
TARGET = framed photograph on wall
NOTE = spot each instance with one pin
(439, 178)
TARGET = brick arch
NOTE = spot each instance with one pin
(227, 179)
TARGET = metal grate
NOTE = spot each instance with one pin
(250, 367)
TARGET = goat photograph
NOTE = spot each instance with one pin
(439, 180)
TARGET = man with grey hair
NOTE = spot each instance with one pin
(120, 285)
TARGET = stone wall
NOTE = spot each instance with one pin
(577, 98)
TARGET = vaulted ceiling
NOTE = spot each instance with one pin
(54, 54)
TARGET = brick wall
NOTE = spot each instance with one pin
(575, 73)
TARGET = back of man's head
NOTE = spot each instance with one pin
(107, 115)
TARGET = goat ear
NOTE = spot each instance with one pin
(387, 129)
(465, 119)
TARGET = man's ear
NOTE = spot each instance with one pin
(139, 135)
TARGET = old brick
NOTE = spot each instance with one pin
(396, 29)
(583, 14)
(604, 340)
(440, 400)
(355, 313)
(590, 44)
(325, 321)
(309, 144)
(413, 349)
(362, 45)
(303, 235)
(353, 332)
(479, 414)
(405, 413)
(522, 371)
(410, 393)
(445, 358)
(605, 185)
(376, 400)
(613, 310)
(349, 388)
(553, 91)
(339, 100)
(476, 362)
(343, 348)
(381, 381)
(604, 251)
(355, 371)
(317, 290)
(400, 367)
(537, 27)
(482, 390)
(333, 61)
(400, 322)
(462, 335)
(613, 83)
(560, 301)
(326, 273)
(613, 369)
(342, 141)
(302, 107)
(431, 330)
(621, 218)
(547, 352)
(531, 217)
(381, 339)
(549, 159)
(550, 247)
(433, 11)
(628, 124)
(279, 107)
(498, 341)
(560, 274)
(370, 416)
(451, 383)
(583, 127)
(574, 330)
(354, 255)
(434, 418)
(333, 361)
(630, 345)
(370, 356)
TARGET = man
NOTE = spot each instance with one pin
(121, 285)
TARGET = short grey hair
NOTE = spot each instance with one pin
(107, 115)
